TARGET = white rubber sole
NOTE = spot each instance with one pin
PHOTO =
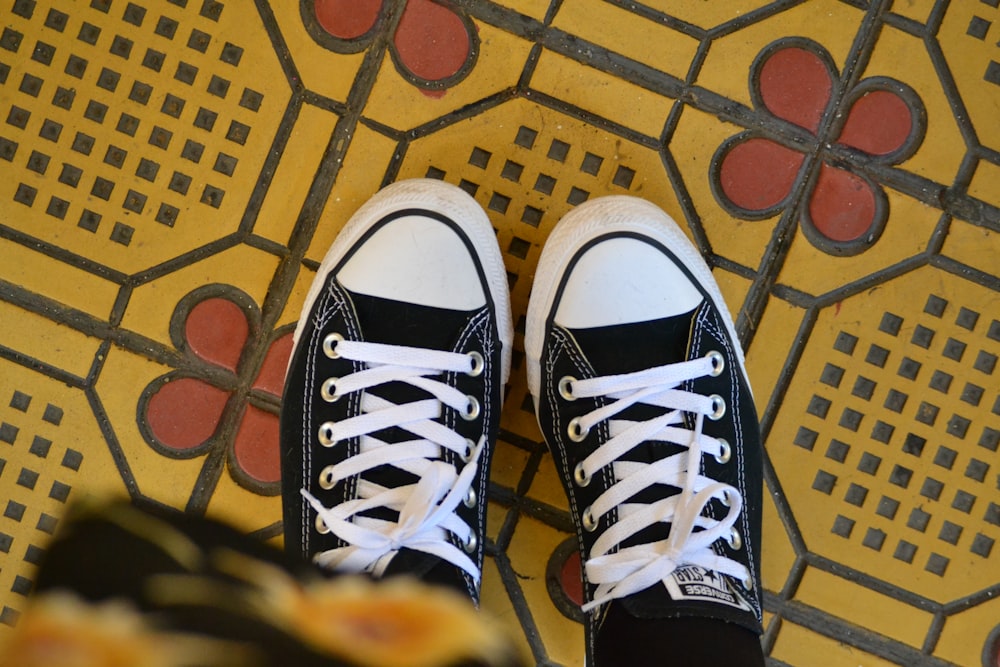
(592, 219)
(448, 200)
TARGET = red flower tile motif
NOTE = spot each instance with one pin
(433, 45)
(832, 138)
(209, 404)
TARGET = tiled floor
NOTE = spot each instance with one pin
(171, 171)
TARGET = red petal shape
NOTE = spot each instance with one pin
(256, 446)
(347, 19)
(757, 174)
(842, 207)
(272, 373)
(879, 123)
(185, 412)
(570, 579)
(795, 85)
(216, 330)
(431, 40)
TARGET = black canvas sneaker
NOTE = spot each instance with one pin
(392, 400)
(642, 396)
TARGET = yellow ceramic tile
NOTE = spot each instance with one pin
(884, 440)
(773, 340)
(496, 515)
(166, 480)
(734, 289)
(863, 607)
(401, 105)
(966, 634)
(536, 9)
(984, 183)
(497, 607)
(601, 94)
(976, 246)
(40, 338)
(706, 14)
(797, 645)
(529, 551)
(628, 34)
(62, 282)
(777, 553)
(519, 413)
(360, 177)
(970, 59)
(918, 10)
(241, 508)
(53, 454)
(322, 70)
(907, 233)
(832, 24)
(293, 304)
(546, 486)
(141, 146)
(300, 159)
(152, 304)
(508, 464)
(693, 145)
(904, 57)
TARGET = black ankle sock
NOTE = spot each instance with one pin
(674, 642)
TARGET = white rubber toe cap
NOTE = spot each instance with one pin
(418, 260)
(623, 280)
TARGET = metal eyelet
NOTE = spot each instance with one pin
(580, 475)
(726, 453)
(566, 387)
(326, 434)
(471, 410)
(471, 544)
(326, 479)
(470, 498)
(478, 364)
(575, 432)
(718, 407)
(587, 519)
(330, 345)
(734, 539)
(726, 500)
(748, 583)
(321, 526)
(329, 390)
(466, 456)
(718, 363)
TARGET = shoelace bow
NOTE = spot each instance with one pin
(426, 508)
(619, 573)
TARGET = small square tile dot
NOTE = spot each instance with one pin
(818, 407)
(986, 362)
(874, 539)
(982, 545)
(824, 482)
(845, 343)
(851, 419)
(877, 355)
(977, 470)
(900, 476)
(935, 306)
(941, 381)
(958, 426)
(887, 507)
(869, 463)
(837, 451)
(954, 349)
(992, 514)
(927, 413)
(922, 336)
(882, 432)
(909, 368)
(832, 375)
(512, 171)
(480, 157)
(895, 400)
(805, 438)
(972, 394)
(964, 501)
(913, 444)
(937, 564)
(932, 488)
(46, 523)
(856, 495)
(905, 551)
(863, 388)
(945, 457)
(526, 137)
(890, 324)
(990, 439)
(843, 526)
(918, 519)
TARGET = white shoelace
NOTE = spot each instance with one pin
(427, 508)
(621, 572)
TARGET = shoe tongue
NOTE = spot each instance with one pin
(427, 568)
(408, 324)
(627, 348)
